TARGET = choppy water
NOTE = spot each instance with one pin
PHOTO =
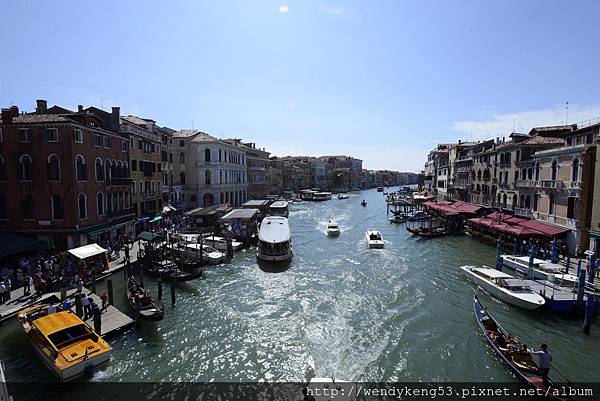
(403, 313)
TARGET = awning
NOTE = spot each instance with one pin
(243, 214)
(87, 251)
(12, 244)
(148, 236)
(547, 229)
(154, 220)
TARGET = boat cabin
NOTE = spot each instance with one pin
(279, 208)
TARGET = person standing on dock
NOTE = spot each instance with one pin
(27, 284)
(545, 361)
(2, 291)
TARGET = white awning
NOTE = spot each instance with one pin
(87, 251)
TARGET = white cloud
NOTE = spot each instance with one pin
(335, 11)
(283, 9)
(493, 124)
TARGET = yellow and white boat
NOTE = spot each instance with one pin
(68, 346)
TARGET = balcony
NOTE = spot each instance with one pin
(504, 185)
(573, 185)
(526, 184)
(118, 182)
(550, 184)
(523, 212)
(164, 188)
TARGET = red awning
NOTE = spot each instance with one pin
(547, 229)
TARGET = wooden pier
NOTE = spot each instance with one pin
(113, 320)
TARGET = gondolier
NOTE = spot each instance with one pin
(545, 361)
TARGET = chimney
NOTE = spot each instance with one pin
(42, 106)
(459, 141)
(80, 108)
(9, 114)
(115, 119)
(503, 139)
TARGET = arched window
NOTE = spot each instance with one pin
(522, 201)
(2, 169)
(514, 201)
(3, 208)
(551, 204)
(524, 174)
(53, 168)
(27, 207)
(207, 177)
(119, 169)
(527, 202)
(182, 158)
(80, 168)
(506, 177)
(504, 200)
(82, 206)
(113, 169)
(575, 171)
(535, 202)
(222, 196)
(220, 158)
(99, 170)
(57, 207)
(473, 175)
(553, 171)
(478, 175)
(100, 204)
(109, 204)
(499, 199)
(125, 170)
(529, 173)
(207, 154)
(182, 178)
(25, 168)
(107, 175)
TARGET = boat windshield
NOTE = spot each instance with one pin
(70, 335)
(515, 285)
(375, 236)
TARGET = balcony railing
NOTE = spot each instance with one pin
(550, 184)
(526, 184)
(575, 185)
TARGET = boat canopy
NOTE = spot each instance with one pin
(274, 229)
(492, 273)
(87, 251)
(242, 214)
(256, 203)
(56, 322)
(279, 205)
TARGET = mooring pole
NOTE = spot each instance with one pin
(172, 283)
(109, 289)
(589, 314)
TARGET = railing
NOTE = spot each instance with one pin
(573, 185)
(118, 181)
(549, 184)
(526, 184)
(523, 212)
(587, 123)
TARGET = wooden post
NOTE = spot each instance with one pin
(142, 278)
(159, 288)
(580, 287)
(172, 284)
(568, 263)
(136, 306)
(97, 320)
(109, 289)
(589, 314)
(78, 306)
(63, 294)
(94, 280)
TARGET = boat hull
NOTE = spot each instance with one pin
(274, 258)
(498, 292)
(333, 233)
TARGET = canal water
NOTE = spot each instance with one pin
(403, 313)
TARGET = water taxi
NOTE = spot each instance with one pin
(220, 243)
(274, 239)
(66, 344)
(279, 208)
(209, 254)
(542, 269)
(333, 229)
(374, 239)
(504, 286)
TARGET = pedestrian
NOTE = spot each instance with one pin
(104, 299)
(2, 291)
(545, 361)
(79, 286)
(8, 285)
(27, 284)
(87, 308)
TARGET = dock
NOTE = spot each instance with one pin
(113, 320)
(558, 299)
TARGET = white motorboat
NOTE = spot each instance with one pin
(274, 239)
(333, 229)
(374, 239)
(342, 196)
(279, 208)
(220, 243)
(321, 196)
(504, 286)
(542, 269)
(209, 254)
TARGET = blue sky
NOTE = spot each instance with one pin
(381, 80)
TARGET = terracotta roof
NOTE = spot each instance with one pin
(136, 120)
(185, 133)
(40, 118)
(543, 140)
(204, 137)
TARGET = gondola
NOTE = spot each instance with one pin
(522, 366)
(170, 272)
(139, 297)
(428, 232)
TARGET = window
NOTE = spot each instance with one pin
(535, 202)
(133, 165)
(97, 140)
(182, 178)
(537, 171)
(551, 204)
(57, 207)
(24, 135)
(52, 134)
(207, 155)
(27, 207)
(182, 158)
(181, 143)
(516, 175)
(78, 135)
(100, 204)
(124, 146)
(553, 171)
(82, 206)
(107, 142)
(99, 170)
(207, 177)
(575, 170)
(2, 169)
(589, 138)
(571, 207)
(80, 168)
(140, 144)
(25, 168)
(53, 168)
(3, 208)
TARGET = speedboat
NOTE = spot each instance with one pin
(341, 196)
(333, 229)
(220, 243)
(374, 239)
(67, 345)
(504, 286)
(274, 240)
